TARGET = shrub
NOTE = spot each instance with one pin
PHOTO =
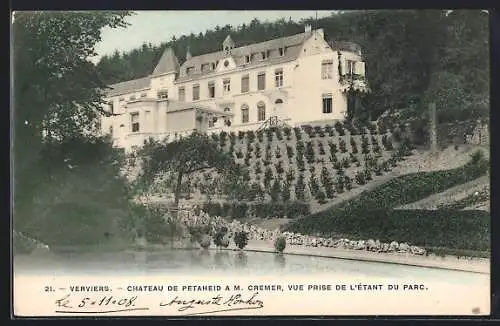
(215, 137)
(300, 187)
(278, 152)
(339, 128)
(268, 176)
(301, 165)
(222, 138)
(287, 132)
(347, 183)
(239, 154)
(345, 163)
(257, 151)
(219, 237)
(313, 185)
(468, 229)
(321, 197)
(279, 167)
(298, 133)
(290, 175)
(321, 149)
(354, 146)
(280, 244)
(205, 241)
(275, 190)
(241, 135)
(340, 184)
(269, 134)
(260, 136)
(250, 136)
(329, 130)
(258, 167)
(241, 239)
(387, 143)
(342, 146)
(289, 152)
(360, 178)
(285, 192)
(279, 135)
(239, 210)
(364, 145)
(310, 153)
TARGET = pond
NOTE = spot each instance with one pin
(226, 262)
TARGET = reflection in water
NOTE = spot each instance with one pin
(199, 262)
(241, 259)
(280, 260)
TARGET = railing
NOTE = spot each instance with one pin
(273, 121)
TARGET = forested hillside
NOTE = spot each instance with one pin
(413, 56)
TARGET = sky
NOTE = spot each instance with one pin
(156, 27)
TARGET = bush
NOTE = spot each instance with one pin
(298, 133)
(258, 152)
(275, 190)
(241, 135)
(287, 132)
(321, 197)
(321, 149)
(300, 187)
(260, 136)
(280, 244)
(289, 152)
(219, 237)
(360, 178)
(241, 239)
(329, 130)
(342, 146)
(455, 229)
(339, 128)
(205, 241)
(250, 136)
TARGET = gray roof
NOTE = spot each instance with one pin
(292, 44)
(128, 86)
(167, 63)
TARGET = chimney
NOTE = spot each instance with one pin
(307, 28)
(188, 54)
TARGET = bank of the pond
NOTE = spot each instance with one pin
(475, 265)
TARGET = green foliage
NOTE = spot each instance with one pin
(219, 237)
(280, 244)
(196, 152)
(427, 228)
(241, 239)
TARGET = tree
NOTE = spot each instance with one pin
(182, 157)
(57, 102)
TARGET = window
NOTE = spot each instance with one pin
(205, 67)
(144, 94)
(247, 59)
(227, 85)
(278, 78)
(327, 103)
(189, 70)
(282, 51)
(261, 111)
(182, 94)
(327, 69)
(134, 121)
(245, 114)
(162, 94)
(245, 84)
(196, 92)
(261, 81)
(264, 54)
(350, 67)
(226, 63)
(211, 89)
(213, 65)
(278, 101)
(111, 108)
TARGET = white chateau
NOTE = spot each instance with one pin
(294, 80)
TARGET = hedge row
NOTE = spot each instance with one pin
(413, 187)
(468, 230)
(291, 209)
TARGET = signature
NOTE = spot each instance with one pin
(228, 303)
(112, 304)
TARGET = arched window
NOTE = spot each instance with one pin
(279, 101)
(245, 114)
(227, 110)
(261, 111)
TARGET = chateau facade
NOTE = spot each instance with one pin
(294, 80)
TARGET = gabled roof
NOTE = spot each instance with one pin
(167, 63)
(128, 86)
(292, 43)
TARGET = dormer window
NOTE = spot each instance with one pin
(282, 51)
(264, 55)
(227, 49)
(213, 65)
(247, 59)
(205, 67)
(189, 70)
(163, 94)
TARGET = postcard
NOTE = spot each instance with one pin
(250, 163)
